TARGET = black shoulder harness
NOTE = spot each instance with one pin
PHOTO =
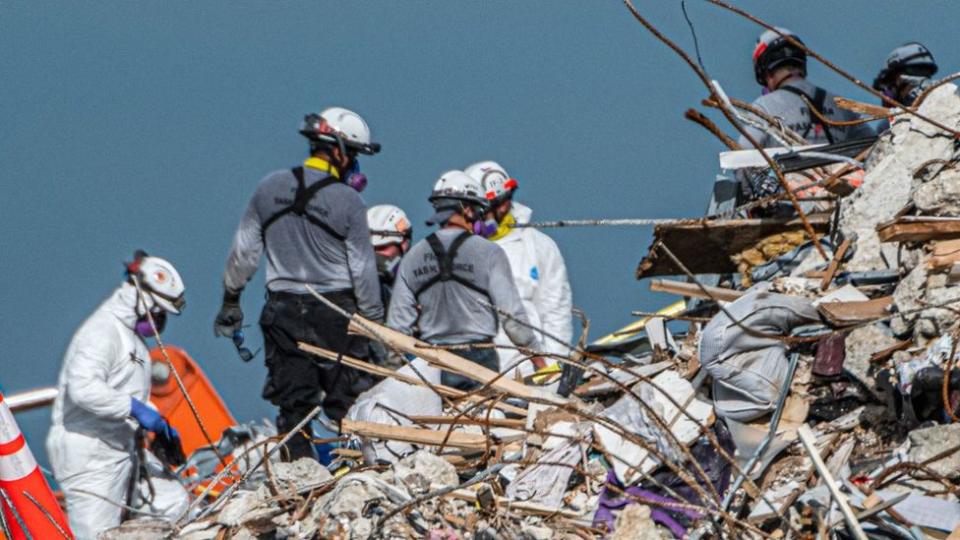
(445, 263)
(819, 97)
(300, 201)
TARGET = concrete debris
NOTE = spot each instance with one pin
(300, 474)
(634, 523)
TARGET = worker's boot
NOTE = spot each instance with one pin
(300, 444)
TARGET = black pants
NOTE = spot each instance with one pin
(298, 381)
(486, 357)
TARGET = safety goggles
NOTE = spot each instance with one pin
(244, 353)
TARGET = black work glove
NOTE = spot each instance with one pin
(167, 447)
(378, 353)
(230, 318)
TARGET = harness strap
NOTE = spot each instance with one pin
(301, 200)
(445, 258)
(818, 101)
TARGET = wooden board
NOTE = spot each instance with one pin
(706, 248)
(412, 435)
(450, 362)
(850, 313)
(919, 229)
(409, 379)
(944, 255)
(693, 290)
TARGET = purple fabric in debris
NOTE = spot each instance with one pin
(610, 501)
(662, 509)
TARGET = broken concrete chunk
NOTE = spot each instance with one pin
(140, 529)
(926, 443)
(237, 509)
(437, 471)
(861, 344)
(634, 523)
(300, 474)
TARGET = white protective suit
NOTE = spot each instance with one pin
(91, 440)
(541, 278)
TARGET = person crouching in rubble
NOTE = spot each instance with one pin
(537, 265)
(390, 234)
(449, 281)
(780, 68)
(102, 405)
(908, 71)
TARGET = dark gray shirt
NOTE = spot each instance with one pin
(299, 252)
(449, 311)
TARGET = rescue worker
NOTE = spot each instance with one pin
(908, 71)
(390, 234)
(312, 224)
(536, 263)
(780, 68)
(104, 389)
(446, 278)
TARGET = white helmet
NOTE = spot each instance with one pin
(496, 183)
(453, 187)
(158, 279)
(388, 225)
(340, 126)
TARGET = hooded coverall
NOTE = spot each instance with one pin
(541, 278)
(91, 439)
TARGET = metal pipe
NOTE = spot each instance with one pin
(32, 399)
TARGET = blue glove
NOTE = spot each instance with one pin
(147, 417)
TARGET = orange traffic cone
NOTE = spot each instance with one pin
(30, 509)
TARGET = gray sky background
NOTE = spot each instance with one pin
(128, 125)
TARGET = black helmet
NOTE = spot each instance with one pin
(908, 59)
(773, 50)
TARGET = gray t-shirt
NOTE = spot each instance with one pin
(794, 113)
(298, 251)
(450, 312)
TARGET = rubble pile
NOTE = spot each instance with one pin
(821, 399)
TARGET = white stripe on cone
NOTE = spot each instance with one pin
(17, 465)
(8, 426)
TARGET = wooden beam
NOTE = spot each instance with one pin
(919, 229)
(450, 362)
(944, 254)
(379, 371)
(882, 356)
(511, 423)
(421, 436)
(682, 288)
(850, 313)
(834, 264)
(705, 247)
(810, 445)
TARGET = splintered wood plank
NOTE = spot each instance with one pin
(834, 264)
(405, 378)
(944, 254)
(850, 313)
(693, 290)
(706, 247)
(450, 362)
(919, 229)
(412, 435)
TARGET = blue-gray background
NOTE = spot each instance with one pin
(128, 125)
